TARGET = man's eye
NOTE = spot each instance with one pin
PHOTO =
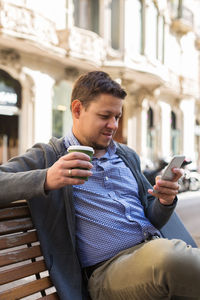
(103, 116)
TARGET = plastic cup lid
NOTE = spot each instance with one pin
(79, 147)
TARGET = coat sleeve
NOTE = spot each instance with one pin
(157, 213)
(23, 177)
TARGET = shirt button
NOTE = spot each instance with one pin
(145, 234)
(106, 178)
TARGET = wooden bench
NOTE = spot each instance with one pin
(23, 273)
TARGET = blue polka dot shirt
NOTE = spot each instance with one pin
(109, 214)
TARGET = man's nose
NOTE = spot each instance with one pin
(113, 123)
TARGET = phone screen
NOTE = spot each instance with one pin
(176, 162)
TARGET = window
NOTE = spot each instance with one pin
(137, 25)
(86, 14)
(174, 7)
(155, 33)
(197, 142)
(61, 114)
(9, 126)
(115, 24)
(57, 118)
(134, 26)
(173, 120)
(150, 118)
(10, 103)
(10, 90)
(150, 134)
(151, 30)
(160, 38)
(175, 134)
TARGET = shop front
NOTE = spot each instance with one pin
(10, 104)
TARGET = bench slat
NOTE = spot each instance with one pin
(19, 255)
(14, 212)
(26, 289)
(23, 271)
(17, 239)
(16, 248)
(53, 296)
(12, 226)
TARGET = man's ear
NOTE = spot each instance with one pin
(76, 108)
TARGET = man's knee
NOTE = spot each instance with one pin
(140, 266)
(172, 257)
(166, 266)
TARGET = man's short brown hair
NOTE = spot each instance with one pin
(90, 85)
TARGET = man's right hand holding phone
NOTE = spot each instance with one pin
(166, 186)
(166, 190)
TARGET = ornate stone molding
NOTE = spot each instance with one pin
(10, 58)
(182, 20)
(82, 44)
(188, 87)
(197, 42)
(73, 73)
(24, 23)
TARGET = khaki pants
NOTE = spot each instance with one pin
(158, 269)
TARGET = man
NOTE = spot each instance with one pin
(108, 229)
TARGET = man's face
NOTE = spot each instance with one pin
(96, 125)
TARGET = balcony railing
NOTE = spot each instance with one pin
(197, 41)
(186, 14)
(21, 22)
(82, 44)
(182, 20)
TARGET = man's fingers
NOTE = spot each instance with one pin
(77, 172)
(165, 191)
(72, 181)
(80, 164)
(166, 184)
(76, 155)
(165, 199)
(71, 164)
(178, 174)
(75, 160)
(63, 171)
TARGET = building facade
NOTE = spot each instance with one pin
(150, 47)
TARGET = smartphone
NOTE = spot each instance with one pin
(175, 162)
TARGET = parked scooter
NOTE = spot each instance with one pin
(184, 181)
(191, 179)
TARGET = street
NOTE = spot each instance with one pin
(188, 209)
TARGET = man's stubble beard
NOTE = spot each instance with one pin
(100, 147)
(97, 146)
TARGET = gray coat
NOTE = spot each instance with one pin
(23, 177)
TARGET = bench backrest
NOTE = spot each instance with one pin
(22, 267)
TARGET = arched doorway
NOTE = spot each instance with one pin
(150, 134)
(10, 104)
(175, 134)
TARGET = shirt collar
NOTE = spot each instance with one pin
(70, 139)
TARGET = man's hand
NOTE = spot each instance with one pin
(61, 173)
(166, 191)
